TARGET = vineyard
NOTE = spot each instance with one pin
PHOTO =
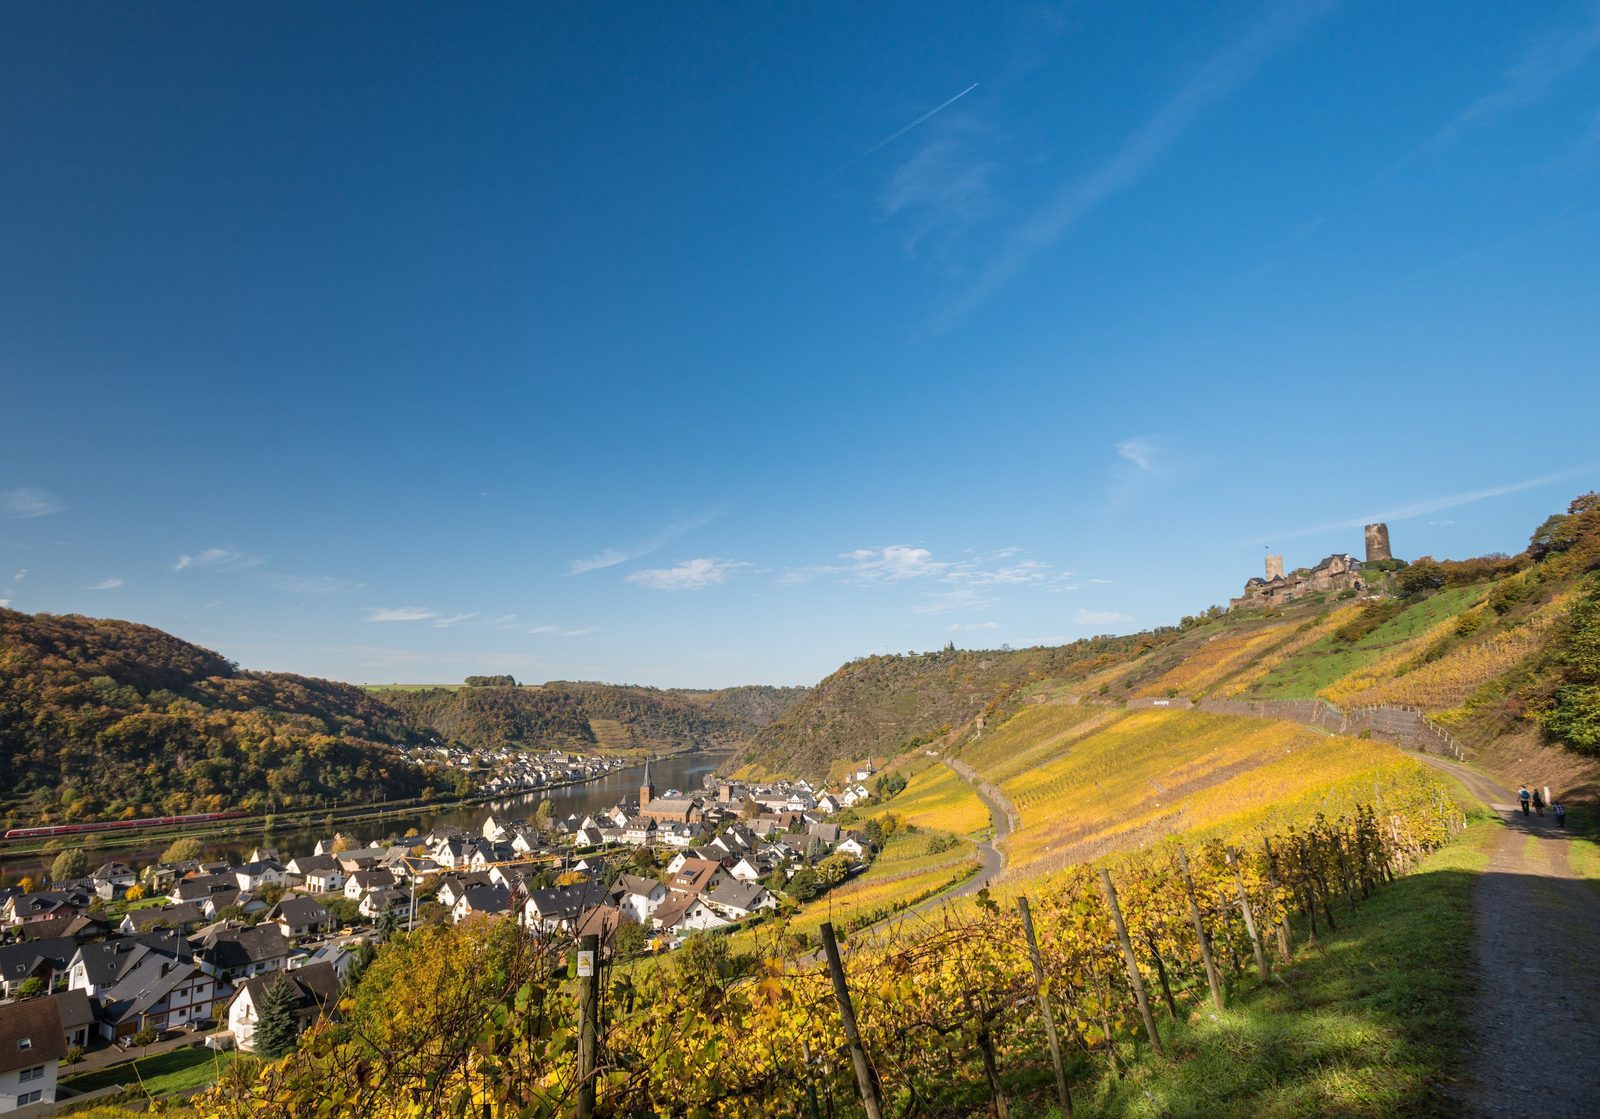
(949, 1017)
(935, 797)
(1145, 774)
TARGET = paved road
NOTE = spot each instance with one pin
(1536, 1018)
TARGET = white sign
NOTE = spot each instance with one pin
(585, 964)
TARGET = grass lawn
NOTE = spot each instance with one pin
(1370, 1024)
(162, 1074)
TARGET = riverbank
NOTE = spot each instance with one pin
(297, 831)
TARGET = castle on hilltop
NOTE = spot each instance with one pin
(1339, 572)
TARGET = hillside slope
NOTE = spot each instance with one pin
(108, 718)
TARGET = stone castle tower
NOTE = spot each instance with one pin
(1274, 568)
(1377, 543)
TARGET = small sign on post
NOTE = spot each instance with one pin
(585, 964)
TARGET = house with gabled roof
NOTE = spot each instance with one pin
(316, 988)
(32, 1043)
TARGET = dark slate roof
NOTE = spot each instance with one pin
(76, 1009)
(147, 982)
(298, 909)
(168, 916)
(19, 961)
(106, 962)
(316, 984)
(233, 949)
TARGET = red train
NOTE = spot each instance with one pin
(119, 825)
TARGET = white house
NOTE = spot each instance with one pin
(32, 1043)
(316, 989)
(639, 897)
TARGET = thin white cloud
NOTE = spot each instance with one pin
(1430, 505)
(22, 573)
(894, 563)
(690, 575)
(400, 614)
(311, 584)
(1543, 63)
(1141, 452)
(219, 559)
(26, 502)
(946, 602)
(5, 602)
(453, 620)
(1441, 524)
(610, 557)
(564, 631)
(1141, 151)
(1100, 617)
(107, 585)
(966, 627)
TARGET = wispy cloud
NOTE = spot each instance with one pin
(22, 573)
(400, 614)
(107, 585)
(610, 557)
(1430, 505)
(899, 132)
(1545, 60)
(1141, 151)
(1100, 617)
(1140, 451)
(690, 575)
(26, 502)
(948, 602)
(218, 559)
(453, 620)
(564, 631)
(943, 191)
(310, 584)
(967, 627)
(899, 563)
(5, 602)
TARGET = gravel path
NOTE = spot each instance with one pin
(1537, 939)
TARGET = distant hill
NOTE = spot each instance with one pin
(103, 718)
(581, 715)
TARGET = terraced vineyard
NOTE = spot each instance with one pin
(935, 797)
(1087, 782)
(910, 867)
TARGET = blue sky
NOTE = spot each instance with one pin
(706, 345)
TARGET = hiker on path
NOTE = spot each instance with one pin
(1538, 802)
(1524, 797)
(1561, 814)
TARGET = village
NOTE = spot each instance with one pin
(186, 952)
(508, 770)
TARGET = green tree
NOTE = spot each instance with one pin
(31, 987)
(276, 1028)
(71, 863)
(181, 850)
(631, 940)
(802, 885)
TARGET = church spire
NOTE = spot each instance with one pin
(647, 791)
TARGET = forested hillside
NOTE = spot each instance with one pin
(883, 704)
(582, 715)
(102, 718)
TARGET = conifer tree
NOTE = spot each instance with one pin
(276, 1028)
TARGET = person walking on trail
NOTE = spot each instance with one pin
(1524, 796)
(1561, 814)
(1538, 802)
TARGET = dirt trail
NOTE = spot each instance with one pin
(1536, 1020)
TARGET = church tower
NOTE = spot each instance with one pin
(647, 791)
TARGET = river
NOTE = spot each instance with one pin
(686, 772)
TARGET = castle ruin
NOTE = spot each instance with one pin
(1338, 572)
(1378, 543)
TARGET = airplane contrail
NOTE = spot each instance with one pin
(893, 136)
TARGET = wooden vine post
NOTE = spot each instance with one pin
(588, 1013)
(866, 1079)
(1044, 1007)
(1212, 976)
(1272, 881)
(1262, 967)
(1133, 965)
